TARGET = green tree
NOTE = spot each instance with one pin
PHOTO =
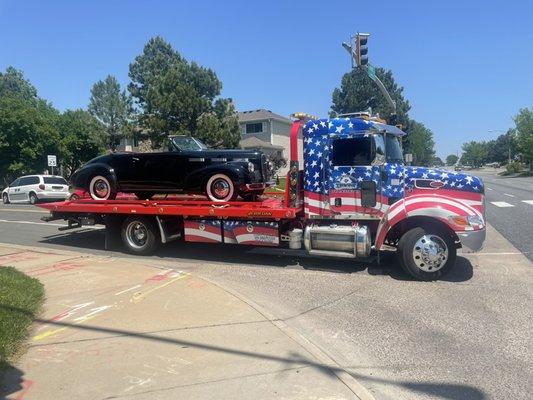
(437, 161)
(13, 83)
(420, 143)
(358, 92)
(83, 137)
(112, 107)
(28, 133)
(451, 159)
(524, 134)
(474, 153)
(179, 97)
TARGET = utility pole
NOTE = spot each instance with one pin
(359, 57)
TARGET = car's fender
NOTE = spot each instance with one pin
(198, 178)
(81, 178)
(442, 208)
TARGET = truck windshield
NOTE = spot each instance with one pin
(393, 148)
(187, 143)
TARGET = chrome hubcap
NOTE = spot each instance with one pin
(221, 188)
(430, 253)
(101, 188)
(136, 234)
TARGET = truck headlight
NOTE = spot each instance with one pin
(471, 220)
(251, 167)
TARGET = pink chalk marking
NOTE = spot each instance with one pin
(17, 257)
(61, 266)
(26, 384)
(160, 276)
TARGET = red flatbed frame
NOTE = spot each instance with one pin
(267, 209)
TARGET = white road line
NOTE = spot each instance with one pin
(528, 202)
(488, 188)
(501, 204)
(43, 223)
(24, 210)
(127, 290)
(510, 195)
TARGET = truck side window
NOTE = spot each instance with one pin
(352, 151)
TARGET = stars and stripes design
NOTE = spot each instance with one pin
(450, 180)
(256, 233)
(207, 231)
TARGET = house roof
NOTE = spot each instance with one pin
(254, 115)
(254, 142)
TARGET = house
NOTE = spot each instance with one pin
(268, 132)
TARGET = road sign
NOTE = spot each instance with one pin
(371, 72)
(52, 161)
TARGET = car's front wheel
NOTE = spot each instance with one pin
(100, 188)
(220, 188)
(5, 198)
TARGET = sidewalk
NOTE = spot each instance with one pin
(114, 328)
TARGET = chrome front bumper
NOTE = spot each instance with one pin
(472, 241)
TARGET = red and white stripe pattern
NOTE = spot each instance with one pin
(256, 233)
(206, 231)
(324, 205)
(439, 206)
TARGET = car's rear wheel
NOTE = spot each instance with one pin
(220, 188)
(5, 198)
(100, 188)
(33, 198)
(144, 195)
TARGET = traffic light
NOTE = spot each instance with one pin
(361, 49)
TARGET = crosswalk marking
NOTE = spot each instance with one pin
(501, 204)
(510, 195)
(528, 202)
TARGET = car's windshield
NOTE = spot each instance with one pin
(187, 143)
(393, 148)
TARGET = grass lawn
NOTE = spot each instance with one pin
(21, 298)
(280, 188)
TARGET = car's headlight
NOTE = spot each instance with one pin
(251, 167)
(270, 165)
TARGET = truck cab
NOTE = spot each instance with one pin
(354, 178)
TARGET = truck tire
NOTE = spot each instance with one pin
(426, 255)
(140, 235)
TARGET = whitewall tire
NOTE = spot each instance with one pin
(220, 188)
(100, 188)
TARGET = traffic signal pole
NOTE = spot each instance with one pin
(360, 60)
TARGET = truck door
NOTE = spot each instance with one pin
(355, 175)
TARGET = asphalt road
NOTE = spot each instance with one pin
(465, 337)
(510, 208)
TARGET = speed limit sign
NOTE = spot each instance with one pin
(52, 161)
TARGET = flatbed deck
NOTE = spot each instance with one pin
(266, 209)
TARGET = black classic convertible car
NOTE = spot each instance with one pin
(188, 167)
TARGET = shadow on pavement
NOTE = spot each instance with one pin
(260, 256)
(13, 377)
(11, 380)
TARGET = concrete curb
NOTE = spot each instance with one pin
(344, 376)
(318, 353)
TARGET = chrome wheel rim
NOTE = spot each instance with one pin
(101, 188)
(221, 188)
(32, 199)
(137, 234)
(430, 253)
(5, 198)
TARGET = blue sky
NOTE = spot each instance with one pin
(466, 66)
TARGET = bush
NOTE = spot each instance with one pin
(514, 167)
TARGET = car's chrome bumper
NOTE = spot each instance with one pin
(472, 241)
(252, 187)
(52, 195)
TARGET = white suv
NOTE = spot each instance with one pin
(32, 188)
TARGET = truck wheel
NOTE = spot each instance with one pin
(220, 188)
(140, 235)
(100, 188)
(426, 255)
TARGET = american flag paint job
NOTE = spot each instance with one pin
(257, 233)
(207, 231)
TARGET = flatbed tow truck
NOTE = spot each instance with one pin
(352, 196)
